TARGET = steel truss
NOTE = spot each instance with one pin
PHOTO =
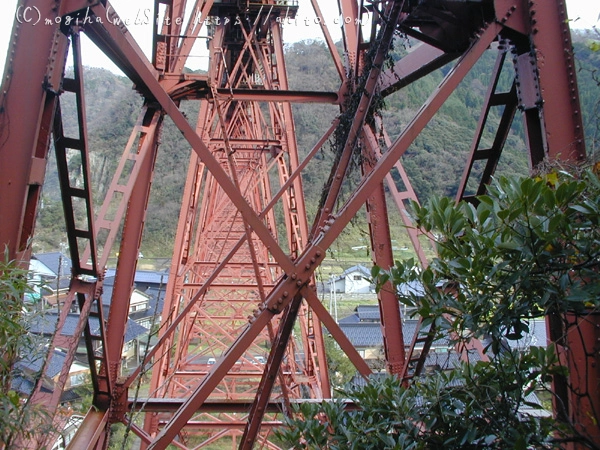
(240, 280)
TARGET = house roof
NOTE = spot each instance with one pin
(46, 324)
(28, 367)
(411, 288)
(353, 318)
(39, 268)
(55, 261)
(155, 299)
(155, 305)
(134, 330)
(107, 293)
(537, 336)
(368, 312)
(357, 268)
(59, 283)
(531, 403)
(144, 276)
(368, 333)
(34, 363)
(365, 334)
(362, 313)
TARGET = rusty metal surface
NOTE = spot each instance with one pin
(232, 275)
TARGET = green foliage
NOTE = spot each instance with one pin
(341, 369)
(463, 409)
(531, 247)
(17, 414)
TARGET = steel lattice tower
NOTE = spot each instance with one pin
(255, 144)
(241, 285)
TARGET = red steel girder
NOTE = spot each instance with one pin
(507, 100)
(34, 67)
(541, 94)
(313, 255)
(220, 226)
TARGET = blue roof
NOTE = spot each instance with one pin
(134, 330)
(33, 363)
(363, 313)
(53, 262)
(155, 305)
(537, 336)
(46, 324)
(144, 276)
(357, 268)
(411, 288)
(353, 318)
(155, 302)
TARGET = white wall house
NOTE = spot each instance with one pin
(354, 280)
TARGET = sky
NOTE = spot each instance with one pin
(584, 14)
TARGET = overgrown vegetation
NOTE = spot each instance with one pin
(19, 418)
(529, 249)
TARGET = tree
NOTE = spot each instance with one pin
(528, 249)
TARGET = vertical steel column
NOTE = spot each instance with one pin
(389, 307)
(244, 261)
(553, 52)
(32, 79)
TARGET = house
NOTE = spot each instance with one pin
(45, 325)
(354, 280)
(363, 329)
(145, 279)
(146, 300)
(49, 278)
(28, 368)
(53, 264)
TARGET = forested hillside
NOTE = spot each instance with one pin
(434, 162)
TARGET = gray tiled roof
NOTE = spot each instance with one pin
(363, 334)
(368, 312)
(46, 324)
(358, 268)
(155, 302)
(155, 305)
(33, 364)
(537, 336)
(53, 261)
(353, 318)
(144, 276)
(134, 330)
(368, 334)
